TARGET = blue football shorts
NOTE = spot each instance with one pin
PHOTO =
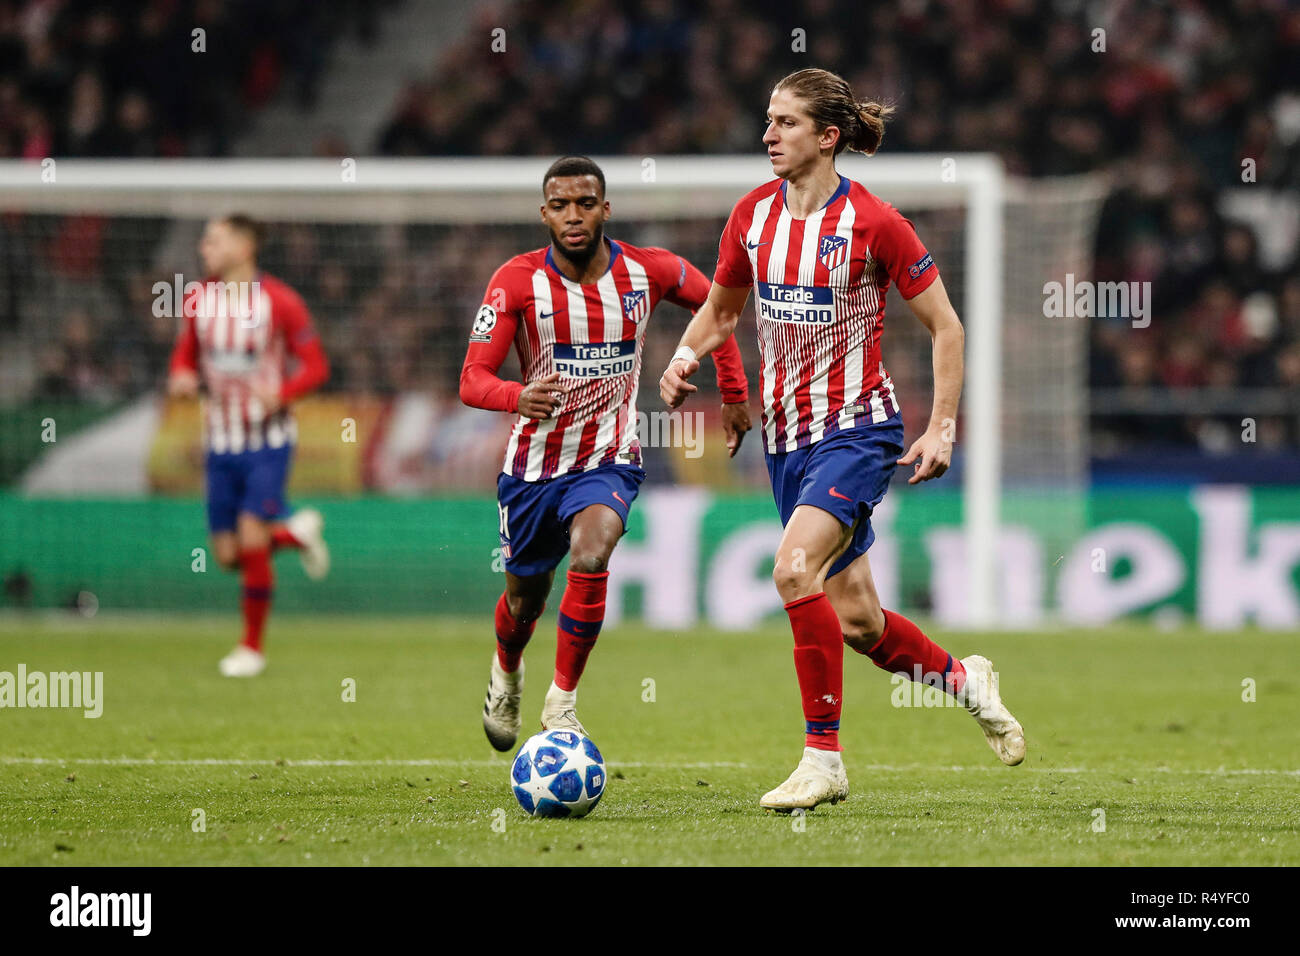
(248, 481)
(846, 474)
(535, 515)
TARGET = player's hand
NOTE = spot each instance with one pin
(268, 396)
(673, 387)
(932, 453)
(183, 384)
(541, 397)
(735, 422)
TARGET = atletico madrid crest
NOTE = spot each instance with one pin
(833, 251)
(634, 305)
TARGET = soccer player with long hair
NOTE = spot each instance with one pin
(820, 251)
(238, 334)
(576, 312)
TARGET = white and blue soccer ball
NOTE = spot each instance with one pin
(558, 773)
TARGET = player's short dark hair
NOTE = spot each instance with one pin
(574, 166)
(242, 222)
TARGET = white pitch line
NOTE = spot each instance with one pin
(1215, 772)
(435, 762)
(631, 764)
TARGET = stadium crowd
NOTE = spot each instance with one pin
(1185, 104)
(156, 77)
(1171, 98)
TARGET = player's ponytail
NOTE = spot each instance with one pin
(870, 127)
(830, 102)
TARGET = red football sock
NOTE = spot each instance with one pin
(904, 649)
(256, 566)
(582, 611)
(819, 664)
(281, 538)
(512, 637)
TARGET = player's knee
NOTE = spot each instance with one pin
(227, 556)
(863, 628)
(592, 539)
(792, 578)
(589, 562)
(254, 537)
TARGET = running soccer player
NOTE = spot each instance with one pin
(820, 252)
(236, 333)
(576, 312)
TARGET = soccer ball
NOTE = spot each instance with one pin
(558, 773)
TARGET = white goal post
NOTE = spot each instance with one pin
(501, 190)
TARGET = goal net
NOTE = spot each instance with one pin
(392, 257)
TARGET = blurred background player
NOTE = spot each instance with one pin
(236, 336)
(820, 252)
(576, 312)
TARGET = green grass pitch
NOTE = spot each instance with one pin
(1148, 726)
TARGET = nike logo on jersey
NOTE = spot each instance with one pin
(836, 494)
(542, 316)
(755, 245)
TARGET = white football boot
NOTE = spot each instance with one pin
(501, 706)
(242, 662)
(560, 710)
(306, 524)
(819, 778)
(981, 697)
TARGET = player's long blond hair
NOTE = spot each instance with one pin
(830, 102)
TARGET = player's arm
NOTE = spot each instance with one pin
(304, 345)
(932, 452)
(183, 368)
(692, 292)
(913, 270)
(708, 330)
(481, 386)
(716, 319)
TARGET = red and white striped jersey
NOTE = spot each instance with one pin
(236, 335)
(592, 335)
(820, 288)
